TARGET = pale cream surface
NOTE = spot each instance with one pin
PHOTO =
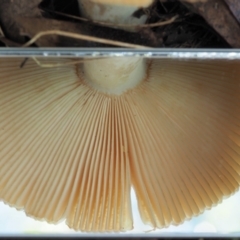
(114, 75)
(114, 12)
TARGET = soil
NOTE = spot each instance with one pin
(189, 24)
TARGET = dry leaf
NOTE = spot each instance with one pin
(218, 15)
(10, 10)
(234, 6)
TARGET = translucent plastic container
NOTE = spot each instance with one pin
(221, 219)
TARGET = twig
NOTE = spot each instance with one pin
(163, 23)
(23, 62)
(1, 32)
(83, 37)
(162, 4)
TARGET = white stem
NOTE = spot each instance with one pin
(112, 13)
(114, 75)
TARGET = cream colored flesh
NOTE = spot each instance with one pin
(114, 75)
(113, 12)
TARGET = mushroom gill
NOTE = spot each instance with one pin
(70, 151)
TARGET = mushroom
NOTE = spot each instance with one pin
(68, 150)
(74, 139)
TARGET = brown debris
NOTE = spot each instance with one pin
(6, 42)
(234, 6)
(10, 10)
(218, 15)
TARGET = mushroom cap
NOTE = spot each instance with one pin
(70, 152)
